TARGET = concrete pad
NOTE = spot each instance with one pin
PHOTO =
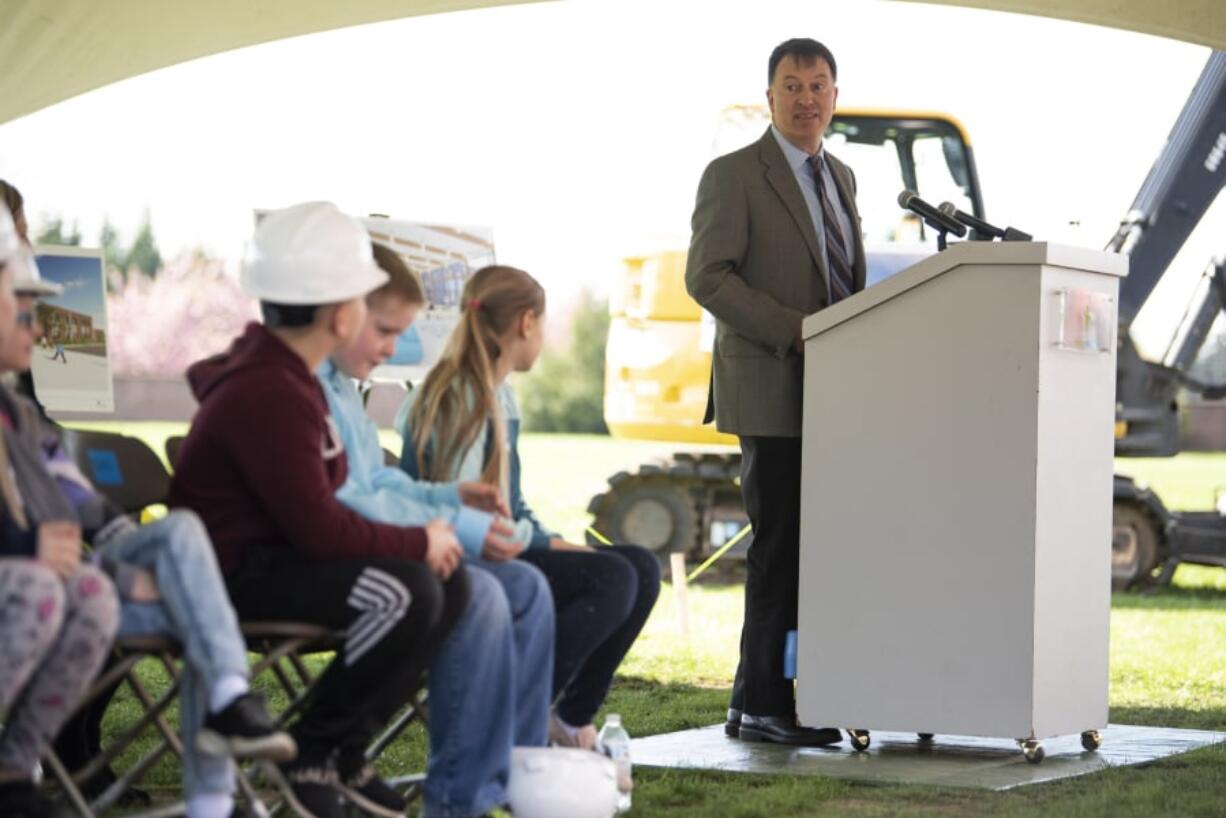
(900, 758)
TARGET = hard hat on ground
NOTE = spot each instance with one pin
(27, 280)
(556, 782)
(310, 254)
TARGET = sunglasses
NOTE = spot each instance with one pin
(25, 319)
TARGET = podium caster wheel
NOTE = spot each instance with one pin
(1033, 750)
(925, 737)
(1091, 740)
(859, 740)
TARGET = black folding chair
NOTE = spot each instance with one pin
(123, 468)
(281, 646)
(129, 473)
(172, 446)
(132, 476)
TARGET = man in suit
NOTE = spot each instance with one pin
(776, 237)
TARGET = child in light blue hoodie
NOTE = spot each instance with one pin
(490, 683)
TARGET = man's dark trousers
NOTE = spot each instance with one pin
(770, 486)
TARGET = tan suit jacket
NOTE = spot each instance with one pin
(754, 265)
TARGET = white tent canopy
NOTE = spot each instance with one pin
(1195, 21)
(51, 50)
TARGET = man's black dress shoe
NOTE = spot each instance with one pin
(785, 730)
(732, 727)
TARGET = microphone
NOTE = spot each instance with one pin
(981, 227)
(981, 230)
(910, 200)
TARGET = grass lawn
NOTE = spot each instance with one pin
(1168, 667)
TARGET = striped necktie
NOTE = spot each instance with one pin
(841, 280)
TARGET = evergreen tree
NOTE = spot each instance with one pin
(144, 254)
(113, 250)
(565, 390)
(52, 232)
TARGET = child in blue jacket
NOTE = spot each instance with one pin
(490, 682)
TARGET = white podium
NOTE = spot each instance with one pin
(956, 498)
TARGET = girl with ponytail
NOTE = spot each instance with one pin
(463, 424)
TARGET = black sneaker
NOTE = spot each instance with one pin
(21, 799)
(245, 730)
(313, 791)
(370, 793)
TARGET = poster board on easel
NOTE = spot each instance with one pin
(71, 364)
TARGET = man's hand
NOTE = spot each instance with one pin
(559, 544)
(59, 546)
(485, 497)
(144, 587)
(498, 545)
(443, 550)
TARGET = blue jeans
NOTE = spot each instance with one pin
(489, 688)
(194, 609)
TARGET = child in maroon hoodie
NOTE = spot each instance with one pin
(261, 467)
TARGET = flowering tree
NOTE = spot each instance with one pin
(158, 326)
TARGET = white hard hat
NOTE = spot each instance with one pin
(27, 280)
(9, 240)
(559, 782)
(19, 258)
(310, 254)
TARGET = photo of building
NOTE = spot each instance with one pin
(68, 327)
(71, 366)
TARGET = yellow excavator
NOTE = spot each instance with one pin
(658, 357)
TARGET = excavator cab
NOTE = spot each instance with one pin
(658, 357)
(924, 152)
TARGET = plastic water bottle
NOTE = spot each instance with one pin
(616, 743)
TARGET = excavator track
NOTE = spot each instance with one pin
(683, 503)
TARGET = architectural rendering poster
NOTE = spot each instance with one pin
(444, 257)
(71, 365)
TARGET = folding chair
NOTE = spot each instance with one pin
(281, 645)
(129, 652)
(123, 468)
(128, 472)
(130, 475)
(172, 446)
(415, 710)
